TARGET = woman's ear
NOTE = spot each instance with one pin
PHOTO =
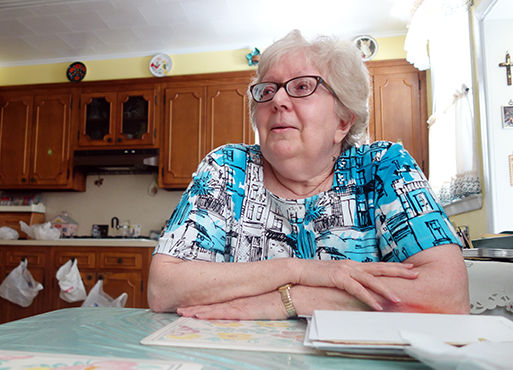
(343, 128)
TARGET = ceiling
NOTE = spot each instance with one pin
(66, 30)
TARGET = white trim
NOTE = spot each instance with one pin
(479, 14)
(467, 204)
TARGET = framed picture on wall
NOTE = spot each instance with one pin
(368, 47)
(507, 116)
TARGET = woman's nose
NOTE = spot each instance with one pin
(281, 98)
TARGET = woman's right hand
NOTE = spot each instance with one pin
(355, 278)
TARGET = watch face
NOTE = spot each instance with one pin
(76, 72)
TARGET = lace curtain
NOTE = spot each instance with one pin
(426, 16)
(453, 154)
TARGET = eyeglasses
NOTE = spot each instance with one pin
(298, 87)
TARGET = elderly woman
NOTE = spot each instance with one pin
(309, 218)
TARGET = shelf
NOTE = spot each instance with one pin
(37, 208)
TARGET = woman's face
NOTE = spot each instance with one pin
(299, 128)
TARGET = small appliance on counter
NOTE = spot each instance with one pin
(494, 248)
(100, 231)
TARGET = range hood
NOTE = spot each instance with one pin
(117, 161)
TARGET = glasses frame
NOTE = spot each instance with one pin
(279, 85)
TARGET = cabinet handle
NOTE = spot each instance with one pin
(120, 139)
(23, 179)
(32, 179)
(120, 261)
(100, 277)
(109, 140)
(89, 277)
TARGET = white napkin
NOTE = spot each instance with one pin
(442, 356)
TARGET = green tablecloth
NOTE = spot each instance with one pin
(116, 332)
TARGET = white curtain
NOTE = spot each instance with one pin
(454, 161)
(442, 25)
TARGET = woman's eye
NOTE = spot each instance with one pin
(269, 89)
(302, 87)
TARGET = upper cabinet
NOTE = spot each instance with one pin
(202, 113)
(399, 107)
(35, 141)
(118, 118)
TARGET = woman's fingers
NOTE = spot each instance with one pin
(265, 306)
(357, 278)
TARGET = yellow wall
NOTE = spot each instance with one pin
(183, 64)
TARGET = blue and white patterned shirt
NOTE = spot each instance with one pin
(379, 208)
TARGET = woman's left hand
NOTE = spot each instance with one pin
(267, 306)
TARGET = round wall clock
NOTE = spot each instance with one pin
(76, 71)
(368, 47)
(160, 65)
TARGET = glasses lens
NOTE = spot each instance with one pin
(302, 86)
(264, 91)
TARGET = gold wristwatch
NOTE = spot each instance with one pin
(287, 300)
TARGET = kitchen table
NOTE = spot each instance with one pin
(116, 332)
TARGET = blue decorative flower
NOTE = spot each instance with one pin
(253, 57)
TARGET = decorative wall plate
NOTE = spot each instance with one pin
(367, 46)
(160, 65)
(76, 71)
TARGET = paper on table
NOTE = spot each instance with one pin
(266, 336)
(21, 360)
(475, 356)
(382, 328)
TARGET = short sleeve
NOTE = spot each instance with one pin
(408, 216)
(197, 227)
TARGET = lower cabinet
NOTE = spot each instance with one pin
(122, 269)
(10, 258)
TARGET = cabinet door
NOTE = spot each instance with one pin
(137, 114)
(86, 263)
(89, 278)
(11, 311)
(97, 119)
(184, 132)
(15, 139)
(228, 116)
(400, 108)
(117, 283)
(36, 259)
(51, 149)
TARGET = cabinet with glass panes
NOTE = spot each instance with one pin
(117, 118)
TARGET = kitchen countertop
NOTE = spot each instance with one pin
(150, 243)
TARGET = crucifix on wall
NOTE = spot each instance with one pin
(508, 66)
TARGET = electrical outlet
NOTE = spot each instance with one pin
(511, 170)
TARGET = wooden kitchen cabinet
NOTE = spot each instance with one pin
(201, 113)
(228, 115)
(37, 258)
(184, 132)
(117, 118)
(123, 270)
(399, 107)
(35, 141)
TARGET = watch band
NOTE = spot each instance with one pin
(287, 300)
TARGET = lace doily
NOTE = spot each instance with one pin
(491, 287)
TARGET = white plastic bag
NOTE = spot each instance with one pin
(41, 231)
(98, 298)
(70, 282)
(19, 286)
(7, 233)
